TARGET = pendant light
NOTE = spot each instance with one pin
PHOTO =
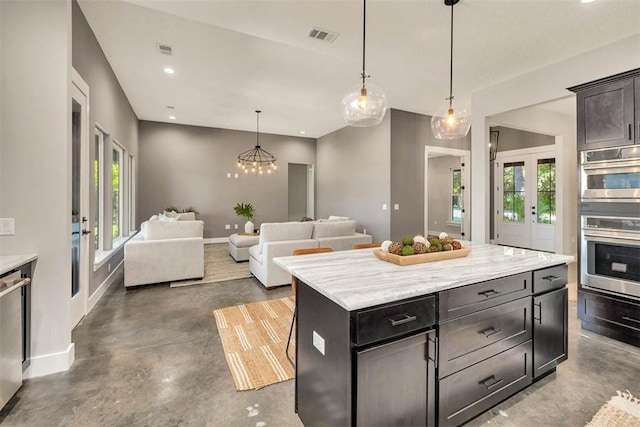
(451, 124)
(257, 160)
(366, 104)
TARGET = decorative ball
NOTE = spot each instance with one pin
(385, 245)
(443, 235)
(419, 239)
(395, 248)
(435, 249)
(407, 250)
(407, 240)
(456, 245)
(447, 247)
(419, 248)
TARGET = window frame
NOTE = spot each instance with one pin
(451, 220)
(132, 193)
(99, 189)
(117, 147)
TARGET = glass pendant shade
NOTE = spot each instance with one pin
(364, 106)
(451, 124)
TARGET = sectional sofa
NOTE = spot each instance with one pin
(281, 239)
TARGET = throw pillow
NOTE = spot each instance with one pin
(338, 218)
(164, 217)
(172, 214)
(154, 218)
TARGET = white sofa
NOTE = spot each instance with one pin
(281, 239)
(164, 251)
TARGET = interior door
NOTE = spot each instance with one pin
(526, 200)
(80, 261)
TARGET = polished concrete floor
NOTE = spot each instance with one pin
(152, 357)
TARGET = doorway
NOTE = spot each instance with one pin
(446, 200)
(301, 191)
(80, 260)
(525, 199)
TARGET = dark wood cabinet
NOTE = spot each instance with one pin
(611, 316)
(606, 115)
(550, 331)
(395, 381)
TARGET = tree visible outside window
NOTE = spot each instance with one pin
(98, 190)
(513, 192)
(456, 195)
(116, 168)
(546, 191)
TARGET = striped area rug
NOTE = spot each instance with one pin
(622, 410)
(218, 267)
(254, 338)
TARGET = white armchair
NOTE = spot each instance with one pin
(164, 251)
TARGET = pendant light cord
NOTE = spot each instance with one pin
(451, 63)
(364, 38)
(258, 128)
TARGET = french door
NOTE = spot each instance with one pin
(80, 260)
(525, 200)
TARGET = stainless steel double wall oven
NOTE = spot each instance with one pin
(610, 220)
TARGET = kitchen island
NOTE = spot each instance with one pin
(428, 344)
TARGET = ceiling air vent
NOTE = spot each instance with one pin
(165, 49)
(322, 35)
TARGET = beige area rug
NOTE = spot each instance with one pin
(254, 338)
(218, 267)
(622, 410)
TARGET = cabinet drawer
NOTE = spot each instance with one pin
(612, 313)
(393, 320)
(472, 391)
(470, 339)
(468, 299)
(550, 278)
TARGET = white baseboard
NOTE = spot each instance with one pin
(95, 297)
(50, 363)
(216, 240)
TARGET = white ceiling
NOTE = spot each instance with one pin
(233, 57)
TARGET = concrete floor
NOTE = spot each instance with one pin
(152, 357)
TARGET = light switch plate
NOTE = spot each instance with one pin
(396, 207)
(318, 342)
(384, 207)
(7, 227)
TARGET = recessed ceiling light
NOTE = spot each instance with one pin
(172, 117)
(169, 70)
(302, 132)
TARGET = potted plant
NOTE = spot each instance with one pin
(245, 210)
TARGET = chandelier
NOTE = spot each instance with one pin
(450, 124)
(257, 160)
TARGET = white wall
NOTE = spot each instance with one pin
(35, 156)
(539, 86)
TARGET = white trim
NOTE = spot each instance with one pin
(550, 148)
(102, 257)
(110, 280)
(101, 183)
(50, 363)
(216, 240)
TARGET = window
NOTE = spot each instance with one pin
(98, 173)
(132, 194)
(546, 191)
(456, 196)
(513, 193)
(116, 199)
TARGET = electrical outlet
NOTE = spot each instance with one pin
(229, 175)
(236, 175)
(227, 226)
(7, 227)
(396, 207)
(235, 226)
(384, 207)
(318, 342)
(109, 268)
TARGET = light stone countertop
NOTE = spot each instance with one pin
(9, 262)
(356, 279)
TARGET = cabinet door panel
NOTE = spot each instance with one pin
(550, 327)
(606, 116)
(392, 384)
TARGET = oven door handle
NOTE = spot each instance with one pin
(590, 233)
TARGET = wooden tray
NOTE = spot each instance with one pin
(419, 259)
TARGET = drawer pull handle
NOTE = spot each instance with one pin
(490, 382)
(488, 293)
(490, 331)
(551, 278)
(405, 319)
(630, 319)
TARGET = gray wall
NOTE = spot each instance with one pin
(512, 139)
(110, 108)
(35, 163)
(410, 132)
(440, 192)
(297, 191)
(188, 166)
(353, 176)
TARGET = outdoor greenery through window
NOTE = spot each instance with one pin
(98, 191)
(116, 200)
(456, 195)
(513, 181)
(546, 191)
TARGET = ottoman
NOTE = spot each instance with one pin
(239, 245)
